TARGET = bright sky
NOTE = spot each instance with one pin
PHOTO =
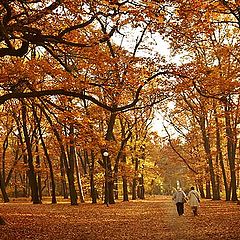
(159, 122)
(158, 46)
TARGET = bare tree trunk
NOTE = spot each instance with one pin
(23, 177)
(125, 138)
(63, 179)
(109, 181)
(231, 147)
(31, 171)
(125, 188)
(124, 179)
(2, 221)
(68, 163)
(15, 185)
(207, 148)
(94, 194)
(2, 174)
(134, 184)
(23, 180)
(69, 166)
(208, 190)
(220, 156)
(200, 187)
(53, 192)
(141, 188)
(79, 180)
(3, 189)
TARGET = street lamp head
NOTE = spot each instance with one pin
(105, 154)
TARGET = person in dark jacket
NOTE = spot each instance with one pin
(180, 198)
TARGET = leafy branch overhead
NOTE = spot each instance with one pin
(36, 23)
(77, 36)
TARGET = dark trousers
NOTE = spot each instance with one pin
(180, 208)
(194, 209)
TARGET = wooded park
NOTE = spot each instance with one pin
(84, 85)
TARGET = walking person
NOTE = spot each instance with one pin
(194, 201)
(180, 198)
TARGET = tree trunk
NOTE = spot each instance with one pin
(23, 177)
(63, 179)
(70, 168)
(134, 184)
(53, 192)
(141, 189)
(68, 165)
(31, 171)
(220, 156)
(116, 195)
(111, 191)
(134, 189)
(2, 221)
(38, 173)
(125, 188)
(231, 147)
(79, 180)
(39, 180)
(207, 148)
(94, 194)
(10, 173)
(15, 185)
(23, 180)
(124, 179)
(125, 138)
(72, 189)
(208, 190)
(200, 188)
(3, 189)
(109, 181)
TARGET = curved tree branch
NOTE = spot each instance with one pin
(175, 150)
(81, 95)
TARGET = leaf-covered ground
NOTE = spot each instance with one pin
(153, 218)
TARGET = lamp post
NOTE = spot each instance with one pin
(105, 157)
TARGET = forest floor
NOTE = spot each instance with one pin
(150, 219)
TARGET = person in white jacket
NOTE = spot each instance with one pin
(194, 200)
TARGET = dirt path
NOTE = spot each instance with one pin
(151, 219)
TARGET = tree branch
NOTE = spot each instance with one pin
(175, 150)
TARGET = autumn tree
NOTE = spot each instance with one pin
(206, 34)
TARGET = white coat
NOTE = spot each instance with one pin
(193, 197)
